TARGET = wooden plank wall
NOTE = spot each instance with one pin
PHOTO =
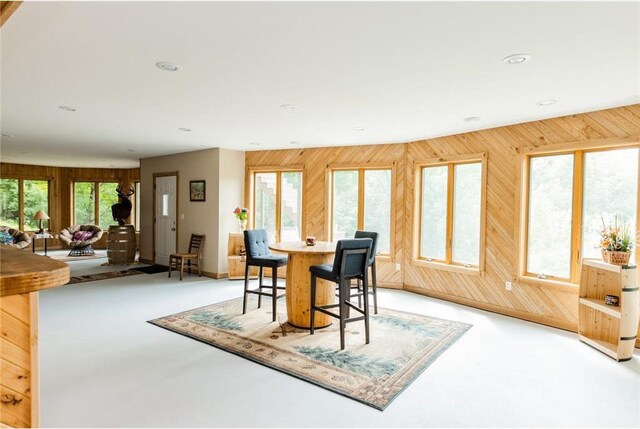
(60, 187)
(543, 304)
(19, 393)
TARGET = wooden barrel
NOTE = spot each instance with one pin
(121, 244)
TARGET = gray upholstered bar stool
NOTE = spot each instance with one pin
(256, 243)
(350, 263)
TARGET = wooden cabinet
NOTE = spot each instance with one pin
(609, 329)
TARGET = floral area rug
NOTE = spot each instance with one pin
(402, 346)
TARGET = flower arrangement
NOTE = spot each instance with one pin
(241, 213)
(615, 242)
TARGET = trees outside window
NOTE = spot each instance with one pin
(361, 200)
(20, 200)
(568, 197)
(451, 215)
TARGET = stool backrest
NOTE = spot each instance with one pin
(374, 237)
(256, 242)
(196, 243)
(352, 256)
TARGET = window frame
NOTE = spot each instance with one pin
(331, 168)
(448, 264)
(578, 150)
(278, 172)
(96, 200)
(49, 180)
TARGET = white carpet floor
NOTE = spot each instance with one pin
(102, 365)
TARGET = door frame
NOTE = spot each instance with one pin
(155, 175)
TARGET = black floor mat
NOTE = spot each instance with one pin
(153, 269)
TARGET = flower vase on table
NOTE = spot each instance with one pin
(241, 214)
(615, 242)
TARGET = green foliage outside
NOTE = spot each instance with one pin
(377, 206)
(345, 203)
(36, 197)
(84, 203)
(107, 197)
(9, 215)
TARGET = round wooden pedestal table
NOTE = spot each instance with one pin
(298, 291)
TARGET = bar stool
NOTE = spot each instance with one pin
(350, 263)
(370, 263)
(256, 242)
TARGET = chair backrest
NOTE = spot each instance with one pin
(196, 243)
(256, 243)
(374, 237)
(352, 256)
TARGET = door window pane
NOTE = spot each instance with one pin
(610, 189)
(345, 204)
(108, 197)
(84, 203)
(377, 206)
(291, 206)
(36, 197)
(550, 212)
(265, 216)
(433, 231)
(466, 213)
(9, 215)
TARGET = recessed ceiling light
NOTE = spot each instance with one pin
(254, 144)
(358, 129)
(186, 130)
(169, 67)
(131, 150)
(288, 107)
(472, 119)
(546, 102)
(516, 58)
(67, 108)
(295, 143)
(24, 153)
(6, 135)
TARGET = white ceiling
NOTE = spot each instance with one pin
(401, 71)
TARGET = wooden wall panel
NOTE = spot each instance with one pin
(549, 305)
(60, 192)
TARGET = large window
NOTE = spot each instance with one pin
(450, 205)
(277, 204)
(569, 196)
(20, 200)
(361, 199)
(92, 203)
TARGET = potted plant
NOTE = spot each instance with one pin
(615, 242)
(241, 215)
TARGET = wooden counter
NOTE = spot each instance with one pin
(22, 275)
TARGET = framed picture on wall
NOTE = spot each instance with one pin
(197, 190)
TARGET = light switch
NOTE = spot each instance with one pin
(181, 216)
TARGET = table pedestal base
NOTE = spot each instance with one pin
(299, 290)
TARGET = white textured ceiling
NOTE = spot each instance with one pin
(401, 71)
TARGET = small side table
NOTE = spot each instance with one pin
(44, 237)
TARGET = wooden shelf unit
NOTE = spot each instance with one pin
(235, 262)
(609, 329)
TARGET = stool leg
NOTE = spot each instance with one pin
(170, 262)
(274, 291)
(199, 267)
(374, 285)
(260, 287)
(312, 307)
(366, 308)
(359, 282)
(343, 312)
(181, 267)
(246, 288)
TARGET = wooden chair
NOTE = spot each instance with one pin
(177, 260)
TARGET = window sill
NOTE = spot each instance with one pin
(472, 271)
(384, 258)
(549, 283)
